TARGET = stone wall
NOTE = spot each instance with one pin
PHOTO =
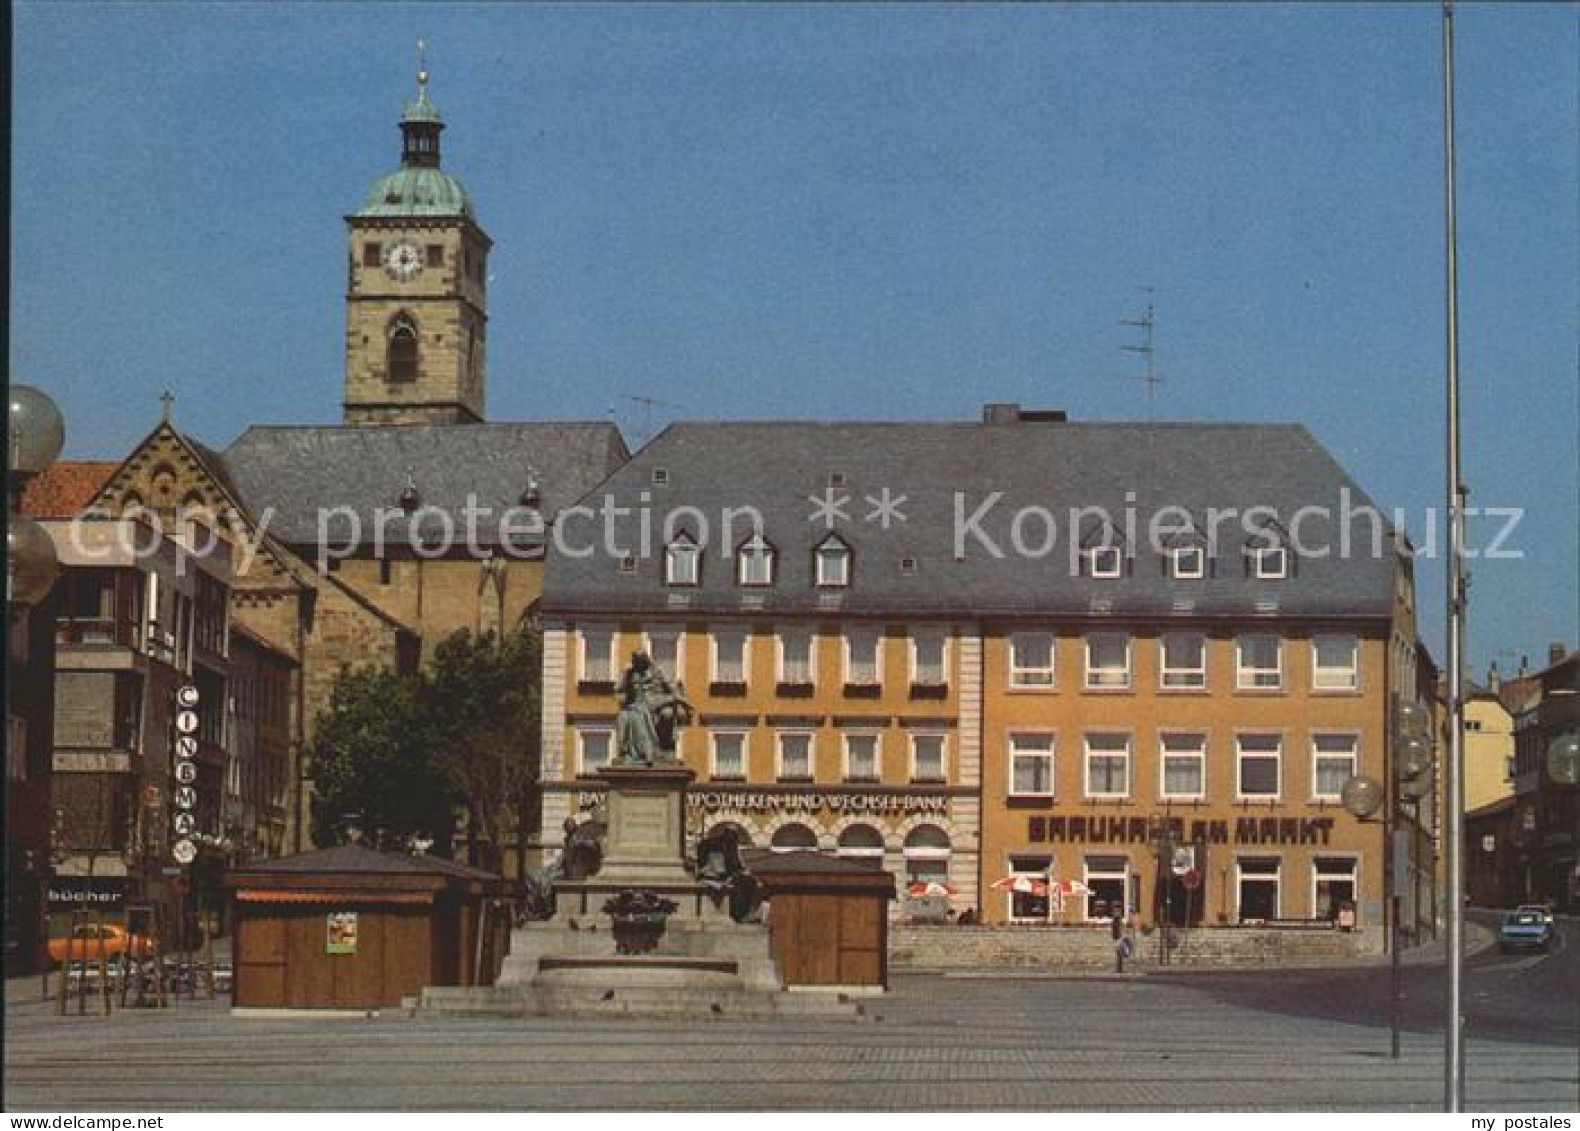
(914, 948)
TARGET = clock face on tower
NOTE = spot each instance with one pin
(403, 260)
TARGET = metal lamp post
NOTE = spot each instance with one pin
(35, 434)
(1362, 798)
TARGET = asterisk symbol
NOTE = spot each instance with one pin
(829, 509)
(886, 508)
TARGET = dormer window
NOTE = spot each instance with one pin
(1269, 563)
(1104, 562)
(1187, 563)
(754, 561)
(661, 476)
(833, 562)
(681, 561)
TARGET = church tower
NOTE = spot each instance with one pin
(416, 306)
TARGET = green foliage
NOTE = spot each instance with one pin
(403, 752)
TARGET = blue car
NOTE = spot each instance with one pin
(1525, 928)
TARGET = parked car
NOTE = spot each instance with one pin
(1525, 928)
(104, 940)
(1545, 910)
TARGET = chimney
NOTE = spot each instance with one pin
(1005, 413)
(1525, 666)
(1494, 680)
(1556, 653)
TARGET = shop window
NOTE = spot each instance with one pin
(863, 845)
(793, 838)
(927, 855)
(1258, 889)
(1333, 886)
(1029, 906)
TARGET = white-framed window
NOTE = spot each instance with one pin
(1031, 765)
(1107, 765)
(795, 755)
(1257, 878)
(929, 647)
(1187, 563)
(1104, 561)
(861, 844)
(1107, 879)
(929, 756)
(1258, 759)
(666, 649)
(682, 561)
(796, 650)
(729, 655)
(926, 854)
(597, 654)
(1333, 885)
(1334, 760)
(863, 757)
(1026, 906)
(1182, 661)
(728, 754)
(863, 657)
(1183, 760)
(754, 561)
(1335, 663)
(1107, 660)
(832, 560)
(1259, 663)
(1269, 563)
(594, 747)
(1031, 661)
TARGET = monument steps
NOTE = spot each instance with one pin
(639, 1001)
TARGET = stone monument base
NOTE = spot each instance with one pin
(704, 964)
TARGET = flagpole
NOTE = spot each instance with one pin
(1454, 824)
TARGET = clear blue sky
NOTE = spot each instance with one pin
(870, 212)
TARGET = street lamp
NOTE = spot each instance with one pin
(35, 434)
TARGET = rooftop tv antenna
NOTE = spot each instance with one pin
(648, 405)
(1147, 324)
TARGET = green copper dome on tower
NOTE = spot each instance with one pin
(418, 187)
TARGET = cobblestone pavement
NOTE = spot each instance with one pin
(934, 1043)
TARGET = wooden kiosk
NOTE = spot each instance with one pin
(349, 928)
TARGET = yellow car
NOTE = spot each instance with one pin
(106, 941)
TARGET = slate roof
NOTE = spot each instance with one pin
(63, 489)
(295, 472)
(780, 468)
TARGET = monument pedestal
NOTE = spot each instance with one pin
(703, 964)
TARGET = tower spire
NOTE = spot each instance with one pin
(421, 124)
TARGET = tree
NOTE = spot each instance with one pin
(484, 696)
(402, 753)
(373, 760)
